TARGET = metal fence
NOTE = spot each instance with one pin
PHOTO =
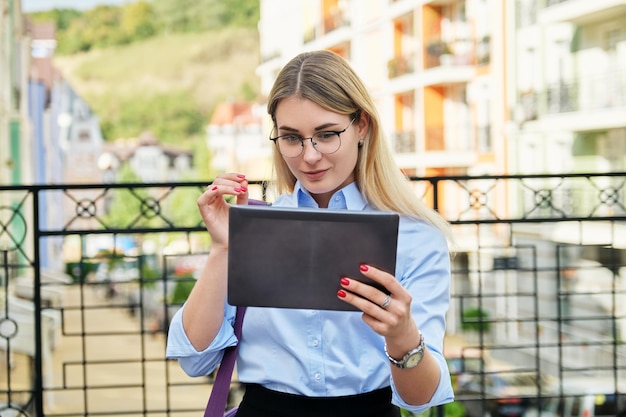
(91, 274)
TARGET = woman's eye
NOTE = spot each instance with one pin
(290, 138)
(325, 135)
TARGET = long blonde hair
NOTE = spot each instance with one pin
(328, 80)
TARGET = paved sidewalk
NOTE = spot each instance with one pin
(98, 367)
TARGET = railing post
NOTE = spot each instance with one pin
(38, 383)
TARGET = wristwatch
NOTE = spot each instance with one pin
(412, 358)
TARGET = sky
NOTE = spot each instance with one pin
(41, 5)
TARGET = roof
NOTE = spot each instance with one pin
(235, 113)
(41, 30)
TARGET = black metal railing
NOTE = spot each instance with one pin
(91, 274)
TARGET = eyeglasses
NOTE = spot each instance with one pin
(325, 142)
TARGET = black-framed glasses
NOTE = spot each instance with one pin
(325, 142)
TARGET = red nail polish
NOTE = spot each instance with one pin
(241, 176)
(214, 188)
(237, 189)
(364, 268)
(341, 294)
(345, 281)
(244, 189)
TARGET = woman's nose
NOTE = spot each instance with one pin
(309, 153)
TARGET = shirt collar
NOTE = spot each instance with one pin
(349, 197)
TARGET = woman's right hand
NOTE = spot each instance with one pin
(214, 209)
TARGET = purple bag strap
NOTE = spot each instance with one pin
(221, 386)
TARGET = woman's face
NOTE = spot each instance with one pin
(320, 174)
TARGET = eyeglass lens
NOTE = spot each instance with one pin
(324, 142)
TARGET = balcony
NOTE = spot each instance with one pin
(581, 12)
(542, 257)
(404, 142)
(330, 23)
(401, 65)
(453, 62)
(459, 152)
(592, 103)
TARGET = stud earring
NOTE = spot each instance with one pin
(360, 143)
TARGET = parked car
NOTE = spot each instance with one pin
(499, 394)
(583, 397)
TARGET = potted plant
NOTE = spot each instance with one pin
(441, 50)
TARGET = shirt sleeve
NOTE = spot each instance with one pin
(193, 362)
(424, 270)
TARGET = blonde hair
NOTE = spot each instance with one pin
(328, 80)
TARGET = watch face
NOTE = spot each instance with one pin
(414, 359)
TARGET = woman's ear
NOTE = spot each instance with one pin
(363, 125)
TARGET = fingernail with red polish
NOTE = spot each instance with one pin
(237, 189)
(341, 294)
(244, 189)
(241, 176)
(214, 188)
(345, 281)
(364, 268)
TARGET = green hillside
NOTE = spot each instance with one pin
(167, 84)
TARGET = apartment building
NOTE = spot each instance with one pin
(470, 87)
(570, 72)
(429, 64)
(237, 142)
(14, 65)
(435, 69)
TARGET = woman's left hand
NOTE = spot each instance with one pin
(388, 315)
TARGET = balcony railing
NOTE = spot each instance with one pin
(458, 52)
(585, 94)
(404, 142)
(537, 282)
(331, 22)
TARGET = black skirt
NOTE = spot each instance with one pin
(262, 402)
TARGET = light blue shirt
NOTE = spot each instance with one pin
(333, 353)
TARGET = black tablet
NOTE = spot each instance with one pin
(295, 257)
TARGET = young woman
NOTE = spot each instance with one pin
(329, 153)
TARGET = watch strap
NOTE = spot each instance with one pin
(402, 363)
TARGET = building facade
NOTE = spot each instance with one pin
(570, 77)
(494, 87)
(433, 67)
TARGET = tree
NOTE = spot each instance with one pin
(138, 21)
(172, 117)
(189, 15)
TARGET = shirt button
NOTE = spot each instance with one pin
(318, 376)
(316, 342)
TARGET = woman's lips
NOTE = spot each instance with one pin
(315, 175)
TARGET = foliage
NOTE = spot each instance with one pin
(182, 289)
(475, 319)
(202, 162)
(167, 84)
(125, 206)
(95, 28)
(80, 270)
(159, 65)
(183, 209)
(62, 18)
(188, 15)
(137, 21)
(241, 13)
(438, 48)
(105, 26)
(170, 117)
(149, 276)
